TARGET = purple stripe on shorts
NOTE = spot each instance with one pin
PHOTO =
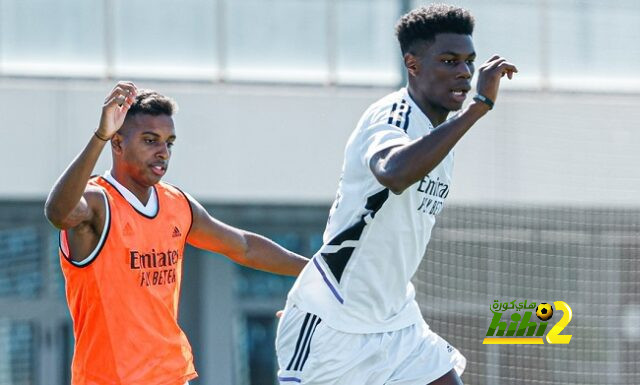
(326, 280)
(289, 379)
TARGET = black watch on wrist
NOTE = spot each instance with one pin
(483, 99)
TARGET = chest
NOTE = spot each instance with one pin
(428, 195)
(135, 231)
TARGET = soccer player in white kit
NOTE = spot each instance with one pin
(351, 317)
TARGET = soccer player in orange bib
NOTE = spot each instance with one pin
(122, 244)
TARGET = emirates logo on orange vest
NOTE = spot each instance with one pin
(176, 232)
(150, 266)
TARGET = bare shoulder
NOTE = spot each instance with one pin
(95, 198)
(93, 191)
(90, 212)
(89, 223)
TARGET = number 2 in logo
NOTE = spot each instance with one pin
(554, 336)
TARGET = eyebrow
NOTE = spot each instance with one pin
(156, 135)
(457, 53)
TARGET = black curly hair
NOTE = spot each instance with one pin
(152, 103)
(423, 24)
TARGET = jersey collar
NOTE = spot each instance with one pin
(150, 209)
(415, 109)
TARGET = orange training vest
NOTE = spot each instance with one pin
(124, 302)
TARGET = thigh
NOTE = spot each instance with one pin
(311, 353)
(451, 378)
(293, 342)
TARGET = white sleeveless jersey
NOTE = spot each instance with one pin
(359, 281)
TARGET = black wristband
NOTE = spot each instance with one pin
(484, 99)
(100, 137)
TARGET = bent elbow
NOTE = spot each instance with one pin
(54, 216)
(397, 190)
(393, 183)
(390, 176)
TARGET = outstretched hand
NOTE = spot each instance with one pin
(115, 108)
(490, 73)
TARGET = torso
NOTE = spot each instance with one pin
(123, 296)
(359, 281)
(84, 238)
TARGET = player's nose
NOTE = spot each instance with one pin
(464, 70)
(164, 152)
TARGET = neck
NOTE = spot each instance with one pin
(436, 114)
(140, 191)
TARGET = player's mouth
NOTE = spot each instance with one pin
(159, 168)
(459, 94)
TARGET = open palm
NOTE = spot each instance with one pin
(115, 108)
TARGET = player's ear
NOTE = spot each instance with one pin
(116, 143)
(412, 63)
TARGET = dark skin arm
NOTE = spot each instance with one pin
(80, 209)
(67, 206)
(401, 166)
(242, 247)
(71, 204)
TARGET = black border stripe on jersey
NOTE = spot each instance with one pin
(308, 350)
(188, 203)
(373, 204)
(315, 320)
(349, 234)
(338, 260)
(98, 248)
(302, 330)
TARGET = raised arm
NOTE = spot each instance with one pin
(243, 247)
(401, 166)
(70, 202)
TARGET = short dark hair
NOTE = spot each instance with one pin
(152, 103)
(423, 24)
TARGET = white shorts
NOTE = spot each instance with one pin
(312, 353)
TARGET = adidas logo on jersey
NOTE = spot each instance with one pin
(176, 232)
